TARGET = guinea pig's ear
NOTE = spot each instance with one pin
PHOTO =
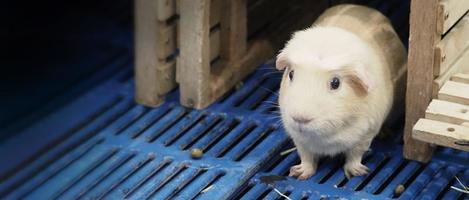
(360, 81)
(281, 61)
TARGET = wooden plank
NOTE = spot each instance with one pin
(166, 9)
(233, 22)
(461, 78)
(149, 36)
(193, 66)
(461, 65)
(449, 12)
(442, 133)
(166, 42)
(452, 46)
(449, 112)
(455, 92)
(422, 40)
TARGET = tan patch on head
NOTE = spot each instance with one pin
(359, 86)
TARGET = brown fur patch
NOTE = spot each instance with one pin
(358, 86)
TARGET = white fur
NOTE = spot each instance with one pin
(343, 122)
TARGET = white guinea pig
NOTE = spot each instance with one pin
(339, 85)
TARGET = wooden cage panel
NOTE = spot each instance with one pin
(155, 43)
(449, 12)
(201, 80)
(452, 46)
(438, 49)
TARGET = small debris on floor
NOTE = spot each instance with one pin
(399, 190)
(197, 153)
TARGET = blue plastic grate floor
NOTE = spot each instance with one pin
(103, 146)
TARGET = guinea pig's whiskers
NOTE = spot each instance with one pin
(269, 90)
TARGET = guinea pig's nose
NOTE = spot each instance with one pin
(302, 119)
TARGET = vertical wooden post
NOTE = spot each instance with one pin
(233, 21)
(422, 40)
(193, 70)
(155, 40)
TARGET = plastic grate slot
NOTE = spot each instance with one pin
(154, 136)
(210, 183)
(243, 98)
(237, 139)
(210, 126)
(186, 182)
(127, 175)
(226, 95)
(108, 172)
(132, 121)
(166, 180)
(60, 141)
(232, 125)
(334, 169)
(186, 128)
(265, 193)
(265, 93)
(276, 158)
(144, 126)
(155, 171)
(244, 190)
(36, 181)
(396, 171)
(372, 174)
(86, 172)
(253, 144)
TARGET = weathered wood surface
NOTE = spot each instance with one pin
(455, 92)
(422, 40)
(449, 112)
(441, 133)
(193, 66)
(154, 42)
(452, 46)
(461, 78)
(449, 12)
(460, 66)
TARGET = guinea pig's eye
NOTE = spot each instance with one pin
(291, 74)
(334, 83)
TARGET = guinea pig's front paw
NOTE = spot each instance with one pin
(302, 171)
(355, 169)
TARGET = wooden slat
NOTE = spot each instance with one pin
(449, 12)
(441, 133)
(153, 42)
(461, 78)
(193, 66)
(461, 65)
(449, 112)
(455, 92)
(422, 40)
(233, 30)
(166, 42)
(166, 9)
(451, 47)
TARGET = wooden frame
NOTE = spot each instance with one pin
(202, 81)
(155, 43)
(438, 48)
